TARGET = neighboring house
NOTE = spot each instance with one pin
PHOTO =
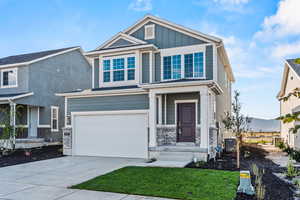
(31, 80)
(159, 89)
(262, 131)
(290, 81)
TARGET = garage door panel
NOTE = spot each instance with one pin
(113, 135)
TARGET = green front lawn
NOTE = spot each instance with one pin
(178, 183)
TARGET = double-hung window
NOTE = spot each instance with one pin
(183, 66)
(119, 69)
(106, 71)
(9, 77)
(54, 118)
(131, 68)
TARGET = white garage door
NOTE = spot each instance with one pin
(111, 134)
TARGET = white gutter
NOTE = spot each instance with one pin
(122, 49)
(16, 97)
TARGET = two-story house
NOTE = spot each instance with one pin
(29, 83)
(290, 81)
(159, 89)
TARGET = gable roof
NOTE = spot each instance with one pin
(296, 67)
(289, 65)
(147, 18)
(119, 36)
(25, 59)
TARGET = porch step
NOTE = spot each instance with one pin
(176, 156)
(178, 149)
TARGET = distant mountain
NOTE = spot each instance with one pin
(264, 125)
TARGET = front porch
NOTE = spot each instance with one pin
(182, 122)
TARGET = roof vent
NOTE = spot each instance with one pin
(149, 32)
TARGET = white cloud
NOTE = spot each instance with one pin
(234, 2)
(285, 22)
(141, 5)
(286, 49)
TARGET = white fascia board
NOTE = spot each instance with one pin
(176, 84)
(121, 49)
(114, 112)
(119, 36)
(16, 97)
(39, 59)
(172, 26)
(89, 93)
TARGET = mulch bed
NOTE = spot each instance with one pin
(276, 189)
(19, 156)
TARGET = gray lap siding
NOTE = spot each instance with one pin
(108, 103)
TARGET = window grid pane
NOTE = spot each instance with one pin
(131, 74)
(118, 63)
(176, 62)
(198, 65)
(106, 65)
(188, 65)
(131, 62)
(106, 76)
(118, 75)
(167, 67)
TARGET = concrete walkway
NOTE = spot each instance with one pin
(49, 179)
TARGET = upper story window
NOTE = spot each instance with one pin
(119, 69)
(149, 32)
(183, 66)
(9, 78)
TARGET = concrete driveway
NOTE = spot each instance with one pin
(49, 179)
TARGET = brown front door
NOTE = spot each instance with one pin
(186, 122)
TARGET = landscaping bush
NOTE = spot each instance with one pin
(288, 150)
(280, 145)
(296, 155)
(291, 170)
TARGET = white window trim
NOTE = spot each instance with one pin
(15, 70)
(57, 122)
(182, 51)
(187, 101)
(151, 36)
(119, 83)
(159, 97)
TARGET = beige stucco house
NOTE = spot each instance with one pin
(290, 81)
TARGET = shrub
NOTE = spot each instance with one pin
(288, 150)
(280, 145)
(296, 155)
(200, 163)
(297, 60)
(291, 170)
(296, 182)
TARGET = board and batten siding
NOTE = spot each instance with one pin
(145, 67)
(120, 42)
(96, 72)
(171, 98)
(108, 103)
(167, 38)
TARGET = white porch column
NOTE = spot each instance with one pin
(204, 117)
(13, 119)
(152, 119)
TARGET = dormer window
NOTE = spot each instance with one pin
(9, 78)
(149, 32)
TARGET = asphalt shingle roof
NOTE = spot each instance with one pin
(30, 56)
(294, 65)
(10, 95)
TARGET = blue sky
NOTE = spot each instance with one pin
(258, 34)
